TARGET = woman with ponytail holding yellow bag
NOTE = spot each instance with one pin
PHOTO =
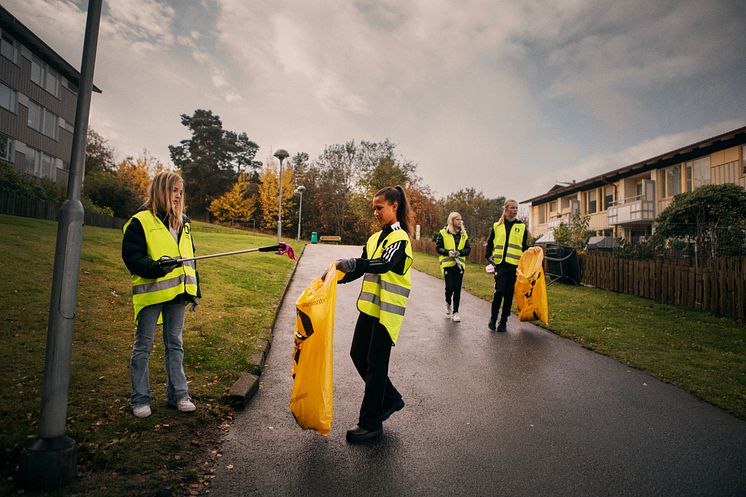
(385, 265)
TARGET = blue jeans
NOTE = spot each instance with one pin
(173, 326)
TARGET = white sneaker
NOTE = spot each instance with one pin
(448, 310)
(186, 405)
(141, 411)
(456, 318)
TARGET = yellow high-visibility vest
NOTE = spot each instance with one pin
(384, 296)
(515, 243)
(160, 242)
(449, 243)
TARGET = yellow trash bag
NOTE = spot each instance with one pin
(531, 288)
(311, 401)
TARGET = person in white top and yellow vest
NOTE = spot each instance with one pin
(505, 244)
(452, 245)
(385, 265)
(154, 238)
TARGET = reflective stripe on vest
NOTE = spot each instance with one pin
(384, 296)
(160, 242)
(515, 243)
(449, 243)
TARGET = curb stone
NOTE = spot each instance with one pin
(247, 384)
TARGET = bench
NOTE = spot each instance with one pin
(330, 238)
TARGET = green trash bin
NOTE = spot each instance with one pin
(314, 237)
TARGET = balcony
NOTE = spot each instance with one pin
(635, 210)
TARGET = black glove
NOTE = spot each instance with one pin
(346, 265)
(168, 264)
(193, 304)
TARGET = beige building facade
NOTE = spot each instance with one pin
(625, 202)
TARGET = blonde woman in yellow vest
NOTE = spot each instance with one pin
(452, 245)
(505, 244)
(385, 268)
(161, 288)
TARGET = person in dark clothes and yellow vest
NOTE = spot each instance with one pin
(505, 244)
(452, 245)
(161, 288)
(385, 265)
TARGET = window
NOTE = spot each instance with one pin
(542, 213)
(553, 206)
(40, 164)
(6, 148)
(701, 172)
(44, 76)
(590, 202)
(673, 180)
(42, 120)
(8, 98)
(638, 189)
(8, 48)
(662, 183)
(743, 159)
(30, 166)
(608, 196)
(688, 187)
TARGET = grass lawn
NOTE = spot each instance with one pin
(120, 454)
(693, 350)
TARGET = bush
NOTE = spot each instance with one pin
(105, 190)
(27, 186)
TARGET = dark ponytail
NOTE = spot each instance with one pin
(403, 212)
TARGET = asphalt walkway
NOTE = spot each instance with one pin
(522, 413)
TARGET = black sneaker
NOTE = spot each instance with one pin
(491, 325)
(503, 327)
(359, 435)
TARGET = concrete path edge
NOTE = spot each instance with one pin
(244, 388)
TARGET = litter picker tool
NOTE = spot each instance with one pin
(281, 248)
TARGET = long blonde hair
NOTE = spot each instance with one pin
(159, 195)
(449, 223)
(502, 217)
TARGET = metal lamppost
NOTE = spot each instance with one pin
(300, 191)
(51, 459)
(281, 154)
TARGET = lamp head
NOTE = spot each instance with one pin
(282, 154)
(300, 189)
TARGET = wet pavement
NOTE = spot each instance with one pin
(522, 413)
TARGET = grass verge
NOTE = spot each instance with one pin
(696, 351)
(169, 452)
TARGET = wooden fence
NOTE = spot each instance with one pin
(16, 205)
(718, 286)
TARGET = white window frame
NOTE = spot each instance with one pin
(10, 149)
(609, 203)
(41, 165)
(13, 100)
(7, 40)
(47, 119)
(44, 75)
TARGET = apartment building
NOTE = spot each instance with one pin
(38, 98)
(624, 203)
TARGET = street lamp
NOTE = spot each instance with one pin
(281, 154)
(300, 191)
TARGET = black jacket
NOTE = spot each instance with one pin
(440, 246)
(491, 244)
(392, 259)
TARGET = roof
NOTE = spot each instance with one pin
(20, 32)
(688, 152)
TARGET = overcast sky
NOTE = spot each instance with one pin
(508, 97)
